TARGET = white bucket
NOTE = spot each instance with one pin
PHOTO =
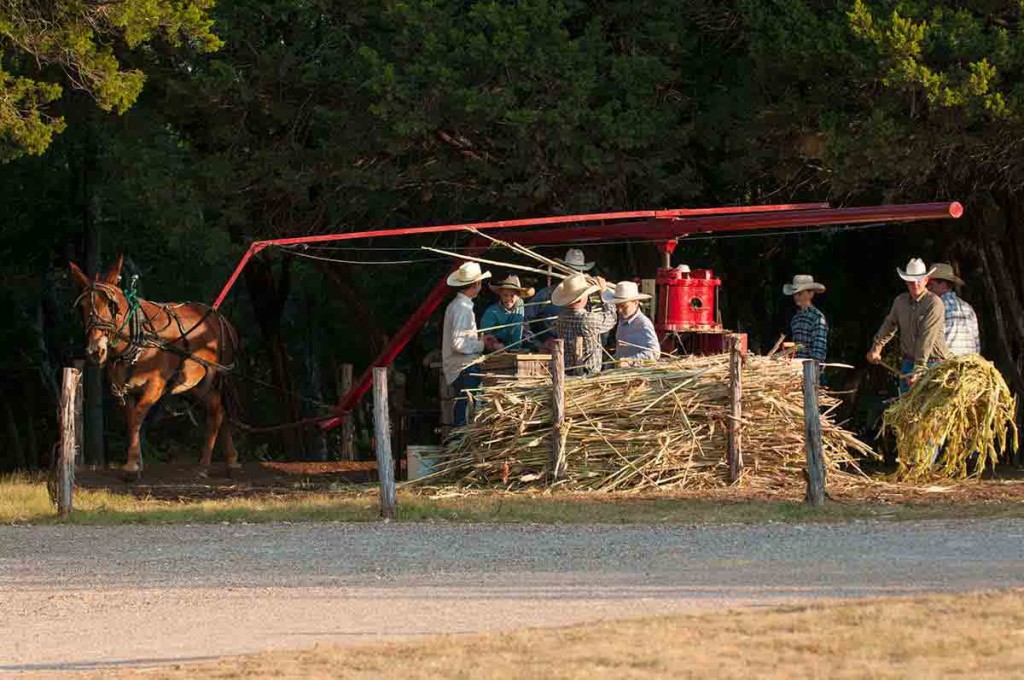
(420, 460)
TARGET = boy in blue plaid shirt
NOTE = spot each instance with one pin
(961, 332)
(808, 328)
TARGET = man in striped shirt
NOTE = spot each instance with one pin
(962, 335)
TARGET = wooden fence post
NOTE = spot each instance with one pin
(382, 434)
(557, 409)
(348, 426)
(812, 436)
(735, 450)
(70, 418)
(80, 416)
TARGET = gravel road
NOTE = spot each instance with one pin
(78, 598)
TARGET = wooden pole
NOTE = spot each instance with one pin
(382, 434)
(812, 437)
(348, 427)
(558, 410)
(80, 416)
(70, 418)
(735, 450)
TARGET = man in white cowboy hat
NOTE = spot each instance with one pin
(635, 337)
(961, 333)
(541, 307)
(920, 319)
(808, 327)
(504, 319)
(579, 327)
(460, 346)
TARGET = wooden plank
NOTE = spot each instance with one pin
(558, 410)
(382, 435)
(348, 427)
(70, 418)
(735, 448)
(812, 437)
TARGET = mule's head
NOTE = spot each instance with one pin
(103, 305)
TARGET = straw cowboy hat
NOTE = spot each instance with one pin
(574, 258)
(915, 270)
(511, 282)
(944, 272)
(625, 291)
(572, 289)
(466, 275)
(802, 282)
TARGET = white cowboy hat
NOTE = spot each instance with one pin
(625, 291)
(915, 270)
(572, 289)
(944, 272)
(802, 282)
(574, 258)
(511, 282)
(466, 275)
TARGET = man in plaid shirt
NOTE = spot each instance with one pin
(579, 327)
(962, 335)
(808, 328)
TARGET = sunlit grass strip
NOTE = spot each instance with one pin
(961, 404)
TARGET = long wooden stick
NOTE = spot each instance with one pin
(463, 256)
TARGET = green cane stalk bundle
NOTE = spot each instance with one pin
(961, 406)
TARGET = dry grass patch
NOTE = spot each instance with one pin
(973, 635)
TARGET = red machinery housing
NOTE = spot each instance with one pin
(687, 300)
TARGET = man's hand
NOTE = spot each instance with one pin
(911, 379)
(874, 356)
(599, 280)
(492, 343)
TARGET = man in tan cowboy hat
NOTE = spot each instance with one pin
(541, 307)
(808, 327)
(961, 329)
(579, 328)
(635, 337)
(506, 316)
(460, 345)
(919, 317)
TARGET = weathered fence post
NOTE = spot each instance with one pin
(382, 434)
(735, 450)
(812, 436)
(79, 364)
(70, 418)
(348, 426)
(557, 409)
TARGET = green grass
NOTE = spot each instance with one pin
(24, 500)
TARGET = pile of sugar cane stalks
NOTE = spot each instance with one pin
(961, 406)
(661, 425)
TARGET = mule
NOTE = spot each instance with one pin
(151, 349)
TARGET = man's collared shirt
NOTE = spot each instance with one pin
(921, 324)
(584, 328)
(962, 335)
(810, 330)
(635, 338)
(460, 344)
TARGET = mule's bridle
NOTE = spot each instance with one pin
(133, 319)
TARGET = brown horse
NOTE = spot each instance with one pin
(151, 349)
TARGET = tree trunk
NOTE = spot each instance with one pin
(268, 294)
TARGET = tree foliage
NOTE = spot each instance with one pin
(48, 44)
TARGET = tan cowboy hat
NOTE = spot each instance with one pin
(466, 275)
(802, 282)
(511, 282)
(943, 271)
(572, 289)
(574, 258)
(625, 291)
(915, 270)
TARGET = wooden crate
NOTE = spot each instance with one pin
(514, 364)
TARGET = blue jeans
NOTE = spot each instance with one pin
(906, 368)
(460, 387)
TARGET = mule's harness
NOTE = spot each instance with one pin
(140, 331)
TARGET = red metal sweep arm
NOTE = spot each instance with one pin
(655, 229)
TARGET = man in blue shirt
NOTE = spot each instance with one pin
(808, 327)
(961, 333)
(504, 318)
(635, 337)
